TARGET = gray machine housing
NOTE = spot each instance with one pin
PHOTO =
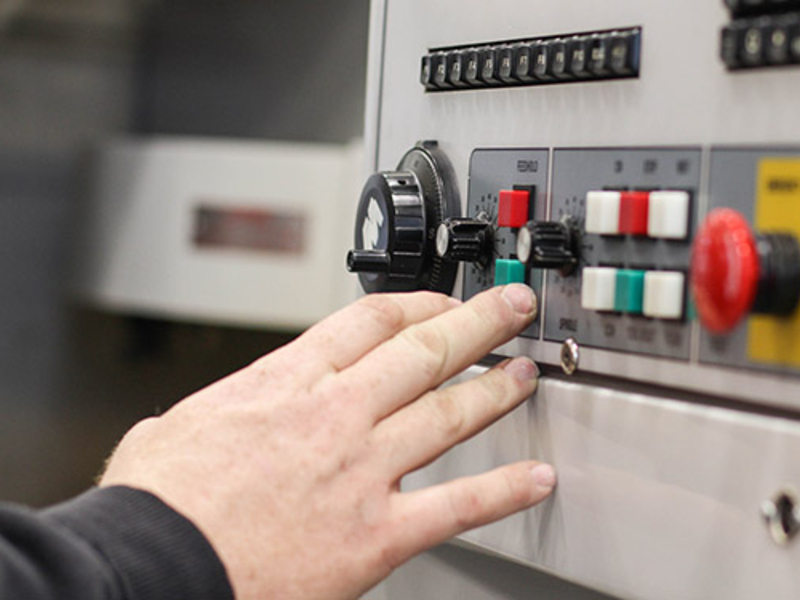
(666, 452)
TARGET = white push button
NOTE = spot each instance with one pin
(602, 212)
(663, 294)
(598, 291)
(669, 215)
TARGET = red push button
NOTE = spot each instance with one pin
(514, 207)
(725, 270)
(633, 212)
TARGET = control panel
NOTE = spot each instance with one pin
(747, 264)
(612, 242)
(509, 189)
(604, 197)
(610, 231)
(638, 165)
(632, 212)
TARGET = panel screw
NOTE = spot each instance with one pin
(782, 516)
(570, 355)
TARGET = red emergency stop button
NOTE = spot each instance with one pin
(634, 210)
(514, 208)
(725, 270)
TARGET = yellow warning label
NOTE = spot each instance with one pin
(776, 340)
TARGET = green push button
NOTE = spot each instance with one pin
(508, 271)
(630, 291)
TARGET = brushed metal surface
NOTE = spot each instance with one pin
(657, 498)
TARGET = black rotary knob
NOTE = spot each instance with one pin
(386, 248)
(549, 245)
(466, 240)
(396, 224)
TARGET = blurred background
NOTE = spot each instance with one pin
(74, 74)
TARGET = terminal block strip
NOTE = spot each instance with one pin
(762, 33)
(556, 59)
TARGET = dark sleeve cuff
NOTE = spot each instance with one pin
(156, 552)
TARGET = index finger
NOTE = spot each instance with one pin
(427, 354)
(341, 339)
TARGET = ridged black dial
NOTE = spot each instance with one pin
(466, 240)
(396, 223)
(548, 245)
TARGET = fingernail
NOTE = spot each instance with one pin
(522, 369)
(520, 297)
(544, 476)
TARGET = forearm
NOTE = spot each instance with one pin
(115, 543)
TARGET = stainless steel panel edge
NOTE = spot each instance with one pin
(657, 498)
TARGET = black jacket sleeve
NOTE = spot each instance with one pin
(108, 544)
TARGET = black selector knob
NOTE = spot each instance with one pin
(392, 231)
(396, 223)
(466, 240)
(549, 245)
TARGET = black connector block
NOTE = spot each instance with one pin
(569, 58)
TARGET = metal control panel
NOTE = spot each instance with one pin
(634, 214)
(655, 210)
(764, 187)
(636, 165)
(517, 181)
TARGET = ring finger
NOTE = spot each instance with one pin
(423, 430)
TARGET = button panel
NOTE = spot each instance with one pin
(662, 214)
(630, 292)
(507, 188)
(590, 56)
(632, 215)
(654, 294)
(635, 216)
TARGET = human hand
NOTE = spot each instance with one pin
(292, 466)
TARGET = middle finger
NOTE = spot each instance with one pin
(419, 433)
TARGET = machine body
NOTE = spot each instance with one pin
(637, 164)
